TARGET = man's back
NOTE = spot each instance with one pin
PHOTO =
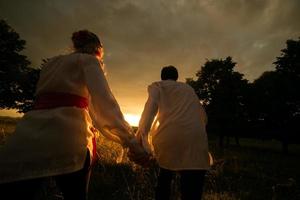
(178, 103)
(178, 133)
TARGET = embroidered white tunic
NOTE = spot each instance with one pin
(178, 135)
(49, 142)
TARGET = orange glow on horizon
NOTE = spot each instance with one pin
(132, 119)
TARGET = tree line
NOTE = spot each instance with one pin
(17, 78)
(267, 108)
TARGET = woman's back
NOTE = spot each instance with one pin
(63, 73)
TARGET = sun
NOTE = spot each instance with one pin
(132, 119)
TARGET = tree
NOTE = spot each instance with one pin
(289, 61)
(17, 79)
(28, 87)
(222, 91)
(288, 67)
(279, 98)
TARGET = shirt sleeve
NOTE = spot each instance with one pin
(104, 109)
(148, 115)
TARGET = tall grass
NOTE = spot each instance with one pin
(7, 127)
(256, 170)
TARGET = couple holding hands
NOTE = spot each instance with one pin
(55, 139)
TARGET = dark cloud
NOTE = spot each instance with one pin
(142, 36)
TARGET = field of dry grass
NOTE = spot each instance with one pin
(254, 170)
(7, 127)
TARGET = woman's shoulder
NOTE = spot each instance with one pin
(61, 57)
(54, 58)
(84, 56)
(50, 61)
(86, 59)
(74, 56)
(71, 56)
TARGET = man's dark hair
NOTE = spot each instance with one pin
(169, 72)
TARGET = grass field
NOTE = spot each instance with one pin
(254, 170)
(7, 127)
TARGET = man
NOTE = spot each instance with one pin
(177, 136)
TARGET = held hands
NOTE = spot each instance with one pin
(138, 154)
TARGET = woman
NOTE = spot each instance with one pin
(56, 138)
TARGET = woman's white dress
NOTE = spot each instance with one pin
(49, 142)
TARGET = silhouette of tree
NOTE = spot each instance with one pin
(278, 104)
(289, 61)
(288, 66)
(222, 91)
(28, 85)
(269, 89)
(17, 79)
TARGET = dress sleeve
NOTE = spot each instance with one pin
(104, 109)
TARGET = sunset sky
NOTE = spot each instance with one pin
(141, 36)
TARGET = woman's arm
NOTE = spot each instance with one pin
(105, 111)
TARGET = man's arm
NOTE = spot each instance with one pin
(148, 115)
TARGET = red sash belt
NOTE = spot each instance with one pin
(55, 100)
